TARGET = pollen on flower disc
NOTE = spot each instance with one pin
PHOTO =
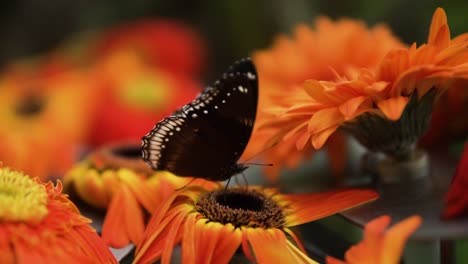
(241, 208)
(21, 198)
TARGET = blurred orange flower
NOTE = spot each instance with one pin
(344, 45)
(38, 224)
(164, 44)
(381, 93)
(36, 105)
(381, 246)
(115, 178)
(456, 200)
(211, 223)
(134, 96)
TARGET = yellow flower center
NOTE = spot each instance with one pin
(21, 198)
(148, 91)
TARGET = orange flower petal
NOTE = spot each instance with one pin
(394, 63)
(114, 231)
(297, 255)
(318, 140)
(124, 220)
(228, 242)
(325, 119)
(396, 238)
(318, 91)
(371, 246)
(392, 108)
(189, 251)
(379, 245)
(151, 248)
(268, 246)
(349, 108)
(310, 207)
(214, 242)
(442, 39)
(439, 20)
(6, 254)
(172, 238)
(302, 141)
(142, 192)
(92, 245)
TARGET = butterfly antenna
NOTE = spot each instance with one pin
(186, 185)
(259, 164)
(227, 184)
(245, 180)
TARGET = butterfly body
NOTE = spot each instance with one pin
(205, 138)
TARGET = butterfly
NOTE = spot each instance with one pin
(206, 137)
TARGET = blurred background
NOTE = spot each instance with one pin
(231, 29)
(77, 74)
(97, 72)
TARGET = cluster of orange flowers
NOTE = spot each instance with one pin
(310, 85)
(109, 92)
(316, 110)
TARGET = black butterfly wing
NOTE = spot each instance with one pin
(206, 137)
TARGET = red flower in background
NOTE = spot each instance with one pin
(166, 44)
(456, 201)
(144, 72)
(134, 96)
(448, 123)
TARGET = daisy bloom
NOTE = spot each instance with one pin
(135, 99)
(114, 177)
(456, 200)
(381, 246)
(387, 108)
(36, 105)
(344, 45)
(38, 224)
(163, 43)
(212, 223)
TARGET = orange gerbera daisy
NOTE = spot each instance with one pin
(344, 45)
(387, 108)
(115, 178)
(211, 223)
(38, 224)
(35, 106)
(380, 246)
(456, 200)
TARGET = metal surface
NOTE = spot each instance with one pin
(423, 196)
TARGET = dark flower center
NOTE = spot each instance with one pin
(128, 152)
(120, 155)
(241, 207)
(30, 106)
